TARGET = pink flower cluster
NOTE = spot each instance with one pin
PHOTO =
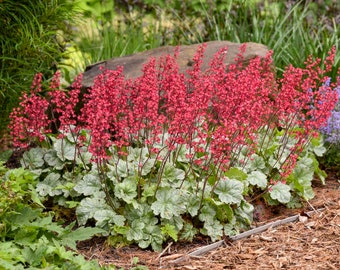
(29, 122)
(212, 113)
(63, 104)
(32, 120)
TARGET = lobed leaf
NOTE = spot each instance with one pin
(89, 185)
(229, 191)
(189, 232)
(213, 228)
(168, 203)
(126, 190)
(280, 192)
(49, 186)
(108, 217)
(89, 206)
(33, 159)
(80, 234)
(257, 178)
(65, 149)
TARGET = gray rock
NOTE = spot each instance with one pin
(133, 64)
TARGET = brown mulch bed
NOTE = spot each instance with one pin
(310, 243)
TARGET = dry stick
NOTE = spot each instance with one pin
(165, 250)
(257, 230)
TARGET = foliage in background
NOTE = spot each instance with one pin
(32, 39)
(293, 29)
(168, 156)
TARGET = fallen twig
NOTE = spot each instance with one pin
(167, 247)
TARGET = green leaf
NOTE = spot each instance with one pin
(80, 234)
(11, 256)
(52, 159)
(88, 185)
(213, 228)
(229, 191)
(245, 212)
(121, 168)
(235, 173)
(148, 192)
(35, 197)
(140, 156)
(23, 216)
(5, 155)
(126, 190)
(319, 150)
(170, 230)
(168, 203)
(318, 147)
(231, 228)
(20, 180)
(46, 223)
(182, 154)
(304, 188)
(136, 231)
(65, 149)
(137, 155)
(108, 217)
(84, 157)
(189, 232)
(148, 166)
(257, 163)
(89, 206)
(304, 169)
(33, 159)
(193, 205)
(143, 210)
(321, 174)
(225, 213)
(26, 235)
(34, 254)
(295, 202)
(258, 178)
(152, 235)
(280, 192)
(49, 185)
(306, 161)
(172, 174)
(270, 150)
(207, 212)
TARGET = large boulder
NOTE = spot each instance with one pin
(133, 64)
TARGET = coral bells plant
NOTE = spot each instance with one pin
(179, 154)
(63, 104)
(30, 122)
(215, 113)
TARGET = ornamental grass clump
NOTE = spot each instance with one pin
(176, 154)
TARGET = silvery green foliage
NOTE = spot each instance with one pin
(146, 198)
